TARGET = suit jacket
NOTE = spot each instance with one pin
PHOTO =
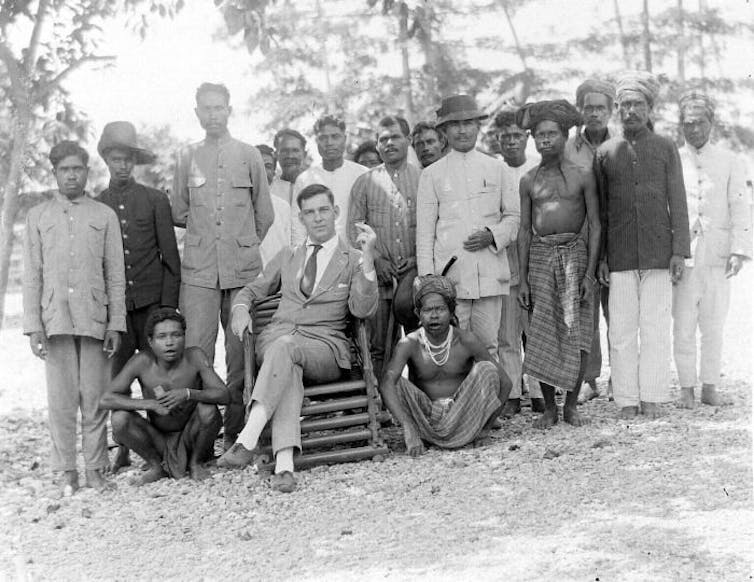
(323, 316)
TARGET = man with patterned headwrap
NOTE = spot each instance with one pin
(594, 99)
(643, 212)
(556, 267)
(720, 223)
(455, 389)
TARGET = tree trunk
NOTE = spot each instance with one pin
(403, 40)
(516, 42)
(622, 34)
(645, 40)
(21, 130)
(700, 40)
(681, 45)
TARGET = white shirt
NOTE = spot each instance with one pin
(324, 256)
(339, 181)
(282, 189)
(279, 234)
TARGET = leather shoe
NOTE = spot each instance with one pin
(236, 457)
(284, 482)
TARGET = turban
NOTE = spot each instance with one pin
(641, 81)
(427, 284)
(696, 101)
(559, 111)
(594, 86)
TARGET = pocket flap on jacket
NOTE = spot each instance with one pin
(100, 296)
(247, 241)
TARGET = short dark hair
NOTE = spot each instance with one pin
(426, 126)
(163, 314)
(67, 148)
(390, 120)
(213, 88)
(505, 118)
(313, 190)
(288, 132)
(266, 150)
(364, 148)
(329, 120)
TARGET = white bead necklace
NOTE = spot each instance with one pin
(439, 353)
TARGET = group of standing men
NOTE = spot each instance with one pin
(515, 251)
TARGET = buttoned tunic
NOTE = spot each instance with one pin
(459, 194)
(74, 282)
(220, 194)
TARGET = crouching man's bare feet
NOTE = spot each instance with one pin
(710, 395)
(198, 472)
(572, 416)
(97, 481)
(548, 418)
(589, 392)
(154, 472)
(121, 460)
(628, 412)
(414, 445)
(70, 483)
(687, 398)
(511, 408)
(651, 410)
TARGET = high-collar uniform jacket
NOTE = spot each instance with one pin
(220, 194)
(323, 315)
(459, 194)
(150, 253)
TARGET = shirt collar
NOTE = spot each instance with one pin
(220, 141)
(640, 134)
(118, 189)
(327, 246)
(67, 201)
(582, 140)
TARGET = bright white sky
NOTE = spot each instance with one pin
(153, 81)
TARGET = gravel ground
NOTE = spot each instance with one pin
(647, 500)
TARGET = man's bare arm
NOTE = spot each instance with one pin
(524, 240)
(118, 393)
(214, 391)
(591, 199)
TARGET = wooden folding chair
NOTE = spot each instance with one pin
(340, 420)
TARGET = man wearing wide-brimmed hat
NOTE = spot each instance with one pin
(720, 223)
(466, 218)
(153, 267)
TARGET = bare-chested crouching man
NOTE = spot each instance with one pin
(455, 389)
(556, 266)
(180, 394)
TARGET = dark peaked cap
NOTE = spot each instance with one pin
(560, 111)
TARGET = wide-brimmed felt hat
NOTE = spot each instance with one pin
(122, 135)
(458, 108)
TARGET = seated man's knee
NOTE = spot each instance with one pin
(284, 345)
(208, 414)
(120, 420)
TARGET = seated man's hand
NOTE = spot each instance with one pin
(173, 398)
(366, 239)
(478, 240)
(240, 320)
(158, 408)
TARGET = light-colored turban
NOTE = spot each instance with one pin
(641, 81)
(696, 101)
(594, 86)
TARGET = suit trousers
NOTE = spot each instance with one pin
(285, 363)
(514, 321)
(640, 320)
(77, 373)
(700, 299)
(201, 306)
(482, 317)
(378, 324)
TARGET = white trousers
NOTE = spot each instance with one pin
(640, 320)
(514, 320)
(700, 299)
(481, 316)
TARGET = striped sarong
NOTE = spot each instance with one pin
(560, 323)
(451, 423)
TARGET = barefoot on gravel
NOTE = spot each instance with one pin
(97, 481)
(572, 417)
(70, 483)
(199, 472)
(154, 473)
(687, 398)
(651, 410)
(589, 392)
(511, 408)
(122, 459)
(710, 395)
(537, 404)
(549, 418)
(414, 445)
(628, 412)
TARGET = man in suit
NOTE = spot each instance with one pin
(321, 280)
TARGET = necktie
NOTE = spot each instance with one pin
(310, 272)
